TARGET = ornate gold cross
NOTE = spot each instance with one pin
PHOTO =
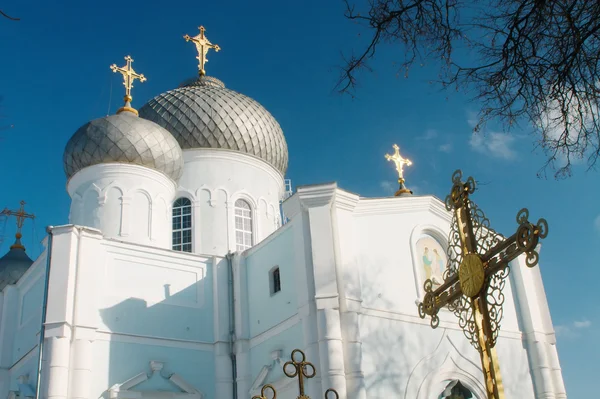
(263, 392)
(399, 161)
(478, 260)
(300, 370)
(297, 367)
(20, 215)
(129, 75)
(202, 45)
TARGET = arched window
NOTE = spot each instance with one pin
(275, 280)
(243, 225)
(182, 225)
(456, 390)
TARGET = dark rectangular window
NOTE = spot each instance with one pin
(276, 280)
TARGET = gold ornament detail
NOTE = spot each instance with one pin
(478, 259)
(20, 215)
(129, 76)
(471, 275)
(202, 46)
(400, 162)
(302, 369)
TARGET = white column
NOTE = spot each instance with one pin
(9, 299)
(196, 226)
(244, 371)
(331, 351)
(55, 370)
(538, 333)
(125, 216)
(229, 206)
(81, 368)
(223, 371)
(355, 378)
(559, 385)
(311, 350)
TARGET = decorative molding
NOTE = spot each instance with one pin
(417, 232)
(316, 195)
(445, 363)
(105, 335)
(117, 171)
(385, 206)
(124, 389)
(276, 360)
(415, 319)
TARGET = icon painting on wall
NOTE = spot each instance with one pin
(432, 259)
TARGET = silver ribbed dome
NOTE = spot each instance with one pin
(204, 114)
(123, 138)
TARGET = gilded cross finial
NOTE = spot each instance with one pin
(202, 45)
(300, 369)
(400, 162)
(129, 75)
(20, 215)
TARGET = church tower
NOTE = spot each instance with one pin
(235, 158)
(123, 172)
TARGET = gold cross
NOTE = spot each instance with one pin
(478, 267)
(399, 161)
(301, 370)
(129, 75)
(301, 367)
(263, 392)
(20, 215)
(202, 45)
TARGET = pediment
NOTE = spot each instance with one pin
(154, 385)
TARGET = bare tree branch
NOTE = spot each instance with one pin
(8, 16)
(535, 61)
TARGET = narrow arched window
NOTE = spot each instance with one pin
(275, 280)
(182, 225)
(243, 225)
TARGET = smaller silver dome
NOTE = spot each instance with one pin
(123, 138)
(14, 264)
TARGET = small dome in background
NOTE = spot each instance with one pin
(204, 114)
(14, 264)
(123, 138)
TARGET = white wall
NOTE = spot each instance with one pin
(20, 318)
(366, 277)
(213, 179)
(128, 202)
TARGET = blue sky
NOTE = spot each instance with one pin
(55, 77)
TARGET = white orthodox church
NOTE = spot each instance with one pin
(188, 270)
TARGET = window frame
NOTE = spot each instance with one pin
(186, 235)
(247, 234)
(275, 270)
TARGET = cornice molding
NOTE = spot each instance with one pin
(380, 206)
(117, 170)
(317, 195)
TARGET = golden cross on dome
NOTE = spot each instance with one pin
(20, 215)
(129, 75)
(202, 45)
(399, 161)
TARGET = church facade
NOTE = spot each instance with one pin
(188, 271)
